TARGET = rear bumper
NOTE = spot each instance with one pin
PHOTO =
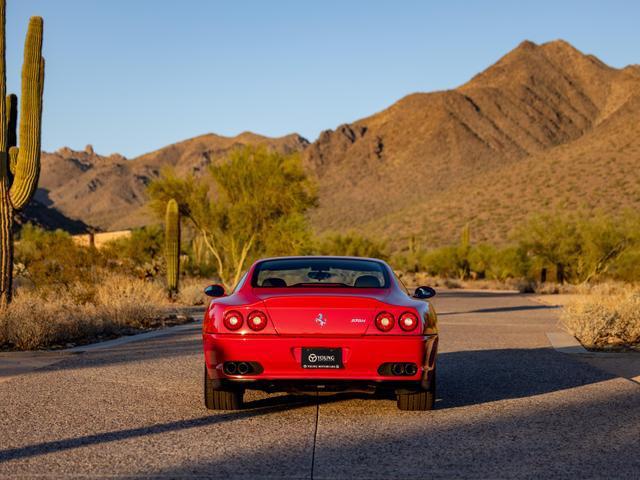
(280, 360)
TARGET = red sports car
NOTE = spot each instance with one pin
(320, 324)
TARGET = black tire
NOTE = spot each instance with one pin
(220, 399)
(423, 400)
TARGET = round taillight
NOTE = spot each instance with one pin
(384, 321)
(233, 320)
(257, 321)
(408, 321)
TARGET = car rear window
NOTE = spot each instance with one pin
(320, 272)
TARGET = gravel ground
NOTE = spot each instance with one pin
(509, 406)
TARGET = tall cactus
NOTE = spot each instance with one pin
(19, 167)
(172, 245)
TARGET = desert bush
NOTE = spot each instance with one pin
(139, 254)
(125, 301)
(352, 244)
(52, 258)
(600, 320)
(192, 292)
(44, 318)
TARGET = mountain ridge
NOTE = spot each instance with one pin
(429, 163)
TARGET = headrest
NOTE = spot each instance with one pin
(367, 281)
(274, 282)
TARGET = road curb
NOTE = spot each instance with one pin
(15, 364)
(565, 343)
(116, 342)
(609, 362)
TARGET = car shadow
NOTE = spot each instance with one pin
(264, 406)
(589, 438)
(465, 378)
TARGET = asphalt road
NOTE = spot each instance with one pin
(509, 406)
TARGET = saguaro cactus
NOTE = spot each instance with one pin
(172, 245)
(19, 167)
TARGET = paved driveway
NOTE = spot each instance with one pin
(508, 406)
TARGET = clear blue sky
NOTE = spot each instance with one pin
(131, 76)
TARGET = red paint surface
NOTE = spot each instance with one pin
(347, 322)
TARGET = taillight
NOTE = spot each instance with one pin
(257, 321)
(232, 320)
(384, 321)
(408, 321)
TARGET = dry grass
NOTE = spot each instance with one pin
(607, 317)
(53, 318)
(192, 292)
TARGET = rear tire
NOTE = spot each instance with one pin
(423, 400)
(215, 399)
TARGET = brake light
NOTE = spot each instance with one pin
(233, 320)
(384, 321)
(408, 321)
(257, 321)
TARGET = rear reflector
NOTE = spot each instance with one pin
(233, 320)
(385, 321)
(408, 321)
(257, 321)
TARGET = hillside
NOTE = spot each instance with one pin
(109, 192)
(544, 127)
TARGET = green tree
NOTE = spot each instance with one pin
(250, 204)
(552, 239)
(602, 241)
(580, 246)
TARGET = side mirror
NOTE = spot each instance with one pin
(424, 293)
(214, 291)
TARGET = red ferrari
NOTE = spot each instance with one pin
(320, 324)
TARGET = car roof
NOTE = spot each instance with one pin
(301, 257)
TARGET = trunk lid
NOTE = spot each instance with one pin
(321, 314)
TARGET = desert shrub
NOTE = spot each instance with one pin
(192, 292)
(140, 253)
(443, 262)
(352, 244)
(52, 258)
(600, 320)
(43, 318)
(125, 301)
(507, 262)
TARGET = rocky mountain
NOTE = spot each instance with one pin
(545, 127)
(108, 193)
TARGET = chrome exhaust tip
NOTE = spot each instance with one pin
(243, 368)
(410, 369)
(230, 368)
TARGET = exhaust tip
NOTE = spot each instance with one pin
(230, 368)
(243, 368)
(410, 369)
(397, 369)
